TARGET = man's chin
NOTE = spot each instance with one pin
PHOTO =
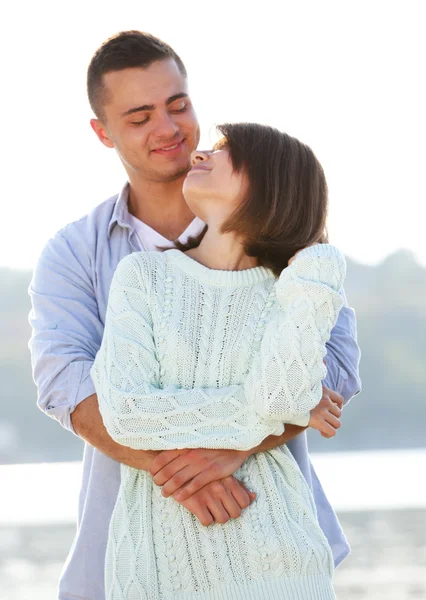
(179, 173)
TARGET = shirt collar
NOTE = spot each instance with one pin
(120, 214)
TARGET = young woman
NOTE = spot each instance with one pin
(218, 344)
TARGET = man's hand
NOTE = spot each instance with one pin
(219, 501)
(184, 472)
(172, 469)
(326, 416)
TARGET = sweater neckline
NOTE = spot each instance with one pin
(216, 276)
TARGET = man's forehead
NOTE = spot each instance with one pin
(152, 85)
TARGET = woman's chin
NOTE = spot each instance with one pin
(191, 192)
(191, 201)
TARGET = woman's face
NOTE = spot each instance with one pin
(212, 189)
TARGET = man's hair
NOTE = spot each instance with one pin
(125, 50)
(285, 208)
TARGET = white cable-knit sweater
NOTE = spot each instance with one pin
(193, 357)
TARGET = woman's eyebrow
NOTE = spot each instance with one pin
(145, 107)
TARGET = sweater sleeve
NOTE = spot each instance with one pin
(285, 381)
(138, 413)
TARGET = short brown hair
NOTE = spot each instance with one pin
(285, 208)
(125, 50)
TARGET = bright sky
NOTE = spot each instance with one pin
(347, 78)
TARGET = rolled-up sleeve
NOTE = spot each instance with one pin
(343, 355)
(66, 328)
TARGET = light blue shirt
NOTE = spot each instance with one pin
(69, 294)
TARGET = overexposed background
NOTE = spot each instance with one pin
(347, 78)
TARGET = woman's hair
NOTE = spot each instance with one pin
(285, 208)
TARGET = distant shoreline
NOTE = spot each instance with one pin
(353, 482)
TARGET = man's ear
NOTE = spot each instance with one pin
(100, 130)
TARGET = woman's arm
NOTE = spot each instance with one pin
(138, 414)
(286, 376)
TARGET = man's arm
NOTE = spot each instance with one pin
(87, 423)
(66, 335)
(343, 355)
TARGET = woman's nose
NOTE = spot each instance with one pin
(199, 156)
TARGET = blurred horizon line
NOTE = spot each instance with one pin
(402, 250)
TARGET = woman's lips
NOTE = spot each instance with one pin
(198, 169)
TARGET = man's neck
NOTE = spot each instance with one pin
(161, 206)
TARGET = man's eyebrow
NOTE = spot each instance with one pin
(138, 109)
(176, 97)
(146, 107)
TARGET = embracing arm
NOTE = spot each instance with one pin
(66, 330)
(66, 334)
(343, 355)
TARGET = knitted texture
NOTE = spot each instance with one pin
(192, 357)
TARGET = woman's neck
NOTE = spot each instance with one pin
(222, 251)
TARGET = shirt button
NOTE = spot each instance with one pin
(264, 555)
(266, 567)
(169, 280)
(176, 586)
(174, 572)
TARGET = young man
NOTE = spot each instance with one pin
(137, 88)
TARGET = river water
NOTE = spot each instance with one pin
(383, 515)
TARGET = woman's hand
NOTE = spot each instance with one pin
(219, 501)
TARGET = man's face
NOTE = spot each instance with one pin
(150, 121)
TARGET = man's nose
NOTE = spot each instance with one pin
(166, 127)
(199, 156)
